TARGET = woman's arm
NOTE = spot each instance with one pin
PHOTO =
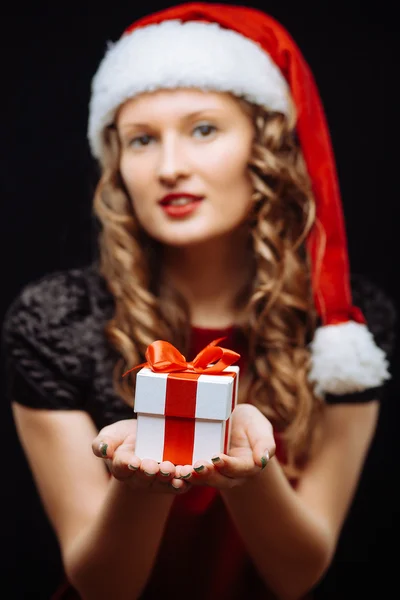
(291, 534)
(109, 533)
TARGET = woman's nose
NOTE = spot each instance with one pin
(172, 163)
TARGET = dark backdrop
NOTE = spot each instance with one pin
(50, 51)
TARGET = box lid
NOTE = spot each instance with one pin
(187, 394)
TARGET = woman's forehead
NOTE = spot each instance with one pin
(177, 103)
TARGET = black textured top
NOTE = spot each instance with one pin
(56, 355)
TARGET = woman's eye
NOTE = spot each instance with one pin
(204, 130)
(141, 140)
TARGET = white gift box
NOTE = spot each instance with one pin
(184, 417)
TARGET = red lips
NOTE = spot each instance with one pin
(170, 197)
(180, 210)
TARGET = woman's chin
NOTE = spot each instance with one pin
(198, 236)
(184, 239)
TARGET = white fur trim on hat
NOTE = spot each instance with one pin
(174, 54)
(345, 359)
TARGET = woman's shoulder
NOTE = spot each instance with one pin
(49, 335)
(380, 314)
(378, 309)
(59, 298)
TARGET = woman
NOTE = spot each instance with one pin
(220, 217)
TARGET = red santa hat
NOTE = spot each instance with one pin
(242, 50)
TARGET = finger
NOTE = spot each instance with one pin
(234, 466)
(185, 472)
(181, 471)
(201, 471)
(166, 471)
(188, 472)
(148, 470)
(266, 457)
(179, 486)
(124, 463)
(149, 467)
(263, 451)
(262, 442)
(210, 476)
(178, 469)
(112, 436)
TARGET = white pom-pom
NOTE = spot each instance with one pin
(345, 359)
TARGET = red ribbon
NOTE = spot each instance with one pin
(163, 357)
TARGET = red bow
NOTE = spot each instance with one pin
(163, 357)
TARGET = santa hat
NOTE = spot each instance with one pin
(244, 51)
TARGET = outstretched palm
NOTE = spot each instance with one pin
(251, 442)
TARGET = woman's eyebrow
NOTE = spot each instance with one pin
(187, 117)
(131, 125)
(199, 113)
(203, 113)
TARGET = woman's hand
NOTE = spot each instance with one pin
(252, 445)
(115, 444)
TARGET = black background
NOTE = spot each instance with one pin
(50, 52)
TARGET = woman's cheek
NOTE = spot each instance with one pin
(132, 171)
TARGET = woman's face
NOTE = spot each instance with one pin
(184, 157)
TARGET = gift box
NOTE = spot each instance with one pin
(183, 408)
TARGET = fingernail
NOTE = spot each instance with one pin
(148, 474)
(164, 474)
(186, 476)
(133, 468)
(265, 459)
(215, 459)
(174, 486)
(103, 448)
(198, 469)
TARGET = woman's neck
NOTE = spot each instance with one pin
(210, 277)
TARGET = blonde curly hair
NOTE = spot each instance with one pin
(278, 310)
